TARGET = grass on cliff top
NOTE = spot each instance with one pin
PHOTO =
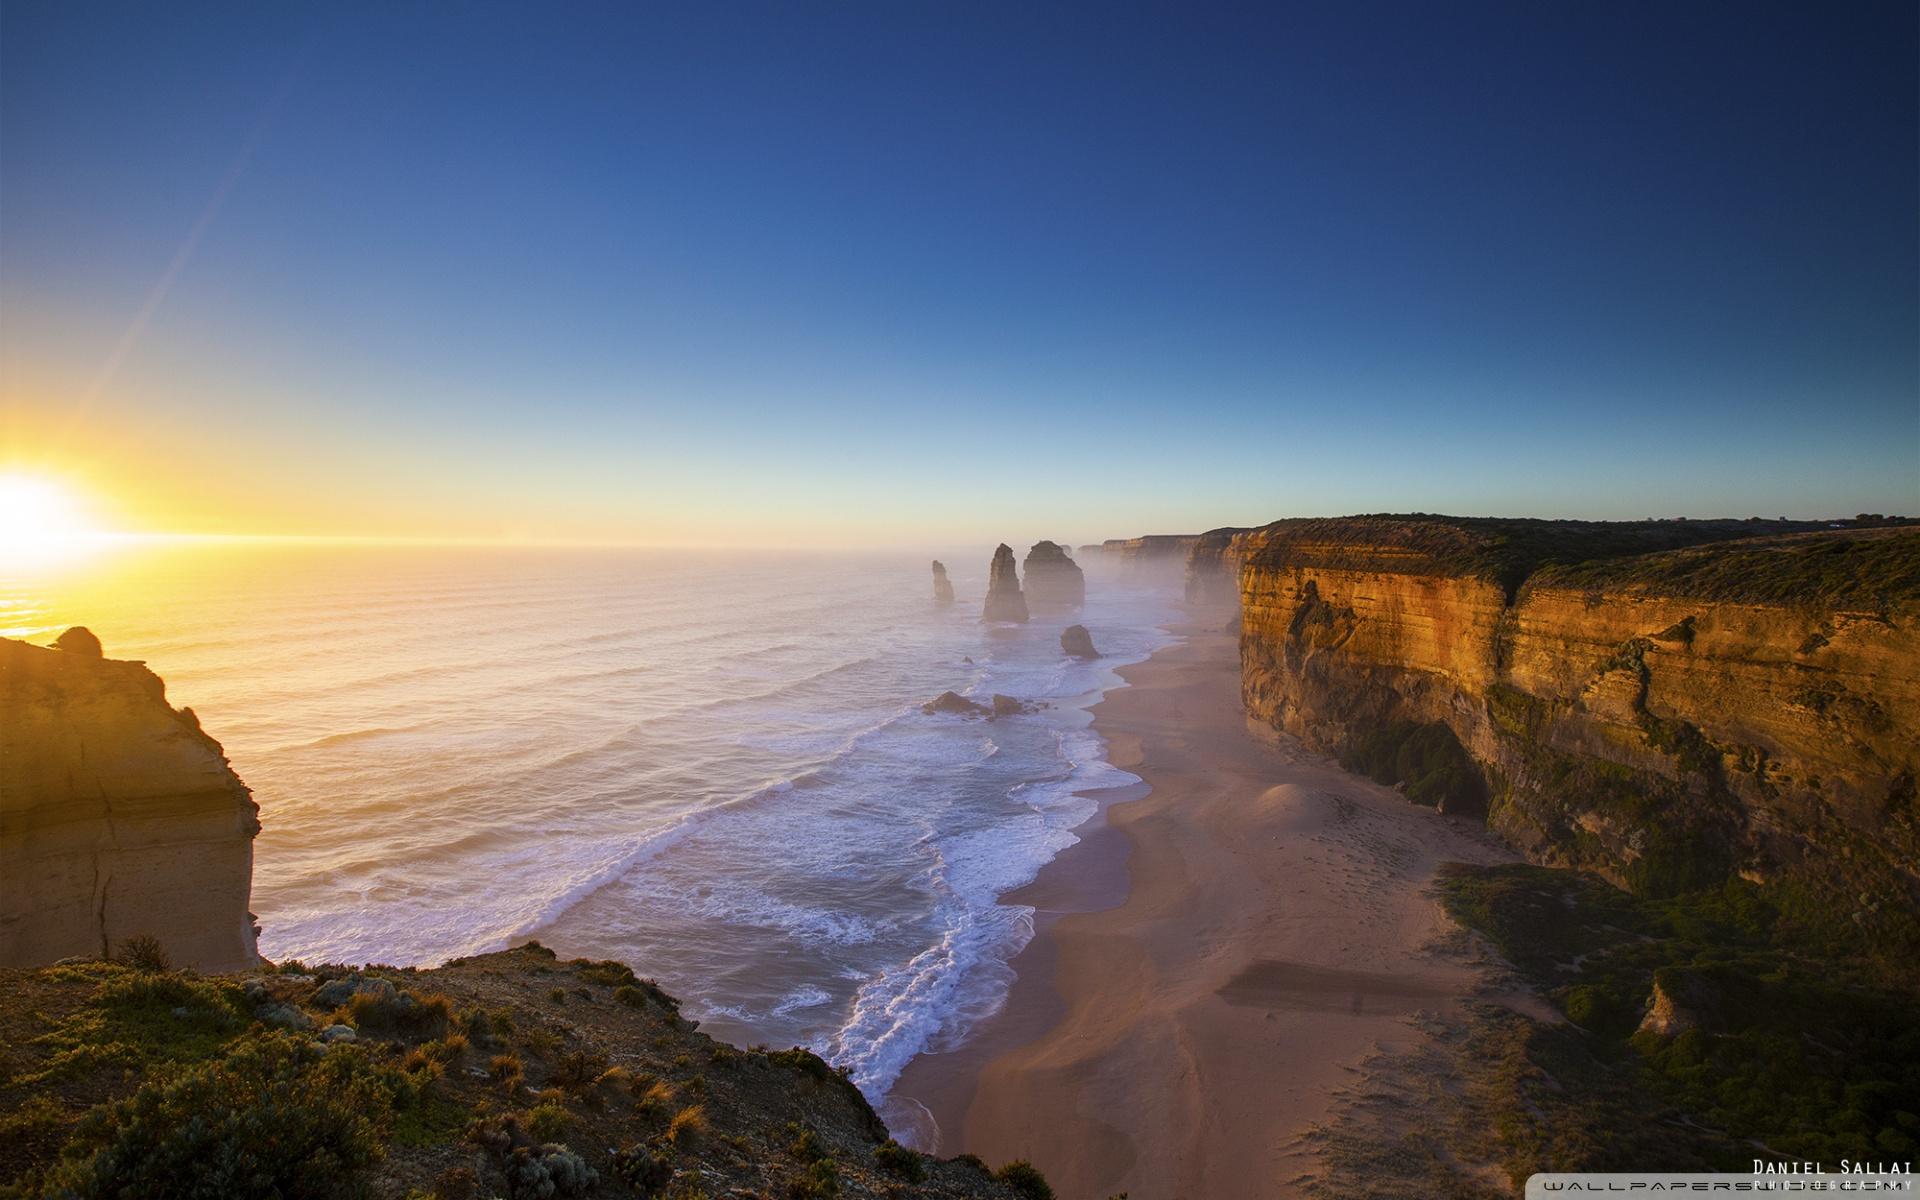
(1503, 550)
(1791, 1054)
(535, 1078)
(1871, 569)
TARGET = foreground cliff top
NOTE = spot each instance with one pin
(1503, 550)
(510, 1074)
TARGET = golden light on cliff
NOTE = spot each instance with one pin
(43, 523)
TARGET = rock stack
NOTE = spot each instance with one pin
(942, 586)
(1053, 579)
(1075, 640)
(1004, 600)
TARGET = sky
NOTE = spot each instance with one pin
(891, 273)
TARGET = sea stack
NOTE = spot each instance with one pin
(942, 586)
(119, 817)
(1004, 600)
(1075, 640)
(1053, 579)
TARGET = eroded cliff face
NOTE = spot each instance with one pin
(1154, 557)
(1669, 720)
(118, 816)
(1213, 568)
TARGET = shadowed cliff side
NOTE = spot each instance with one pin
(1052, 579)
(1004, 599)
(1670, 720)
(942, 586)
(1213, 568)
(118, 816)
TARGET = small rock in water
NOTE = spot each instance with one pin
(953, 702)
(1075, 640)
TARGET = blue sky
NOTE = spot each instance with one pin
(824, 273)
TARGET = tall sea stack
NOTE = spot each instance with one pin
(1053, 579)
(118, 816)
(942, 586)
(1004, 601)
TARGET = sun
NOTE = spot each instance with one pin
(42, 522)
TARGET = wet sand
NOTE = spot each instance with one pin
(1212, 964)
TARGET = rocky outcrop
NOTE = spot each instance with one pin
(1669, 720)
(1004, 599)
(1213, 569)
(1076, 641)
(1053, 580)
(942, 586)
(954, 704)
(118, 816)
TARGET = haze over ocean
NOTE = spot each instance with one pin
(712, 764)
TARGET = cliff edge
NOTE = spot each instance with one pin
(118, 816)
(1646, 700)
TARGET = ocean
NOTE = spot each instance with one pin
(712, 766)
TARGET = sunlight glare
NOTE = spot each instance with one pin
(42, 523)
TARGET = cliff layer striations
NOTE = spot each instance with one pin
(1670, 720)
(118, 816)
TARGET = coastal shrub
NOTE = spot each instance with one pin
(821, 1180)
(505, 1071)
(275, 1119)
(805, 1145)
(608, 973)
(548, 1121)
(136, 1018)
(143, 952)
(894, 1157)
(641, 1169)
(688, 1126)
(579, 1069)
(972, 1160)
(456, 1183)
(545, 1172)
(401, 1013)
(1025, 1178)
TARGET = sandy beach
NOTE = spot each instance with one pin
(1212, 964)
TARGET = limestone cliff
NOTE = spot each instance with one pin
(1004, 600)
(1213, 568)
(1667, 719)
(1156, 555)
(942, 586)
(1053, 580)
(118, 816)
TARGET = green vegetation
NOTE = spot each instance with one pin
(1026, 1179)
(1428, 759)
(1871, 569)
(1772, 1038)
(275, 1117)
(117, 1081)
(1505, 551)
